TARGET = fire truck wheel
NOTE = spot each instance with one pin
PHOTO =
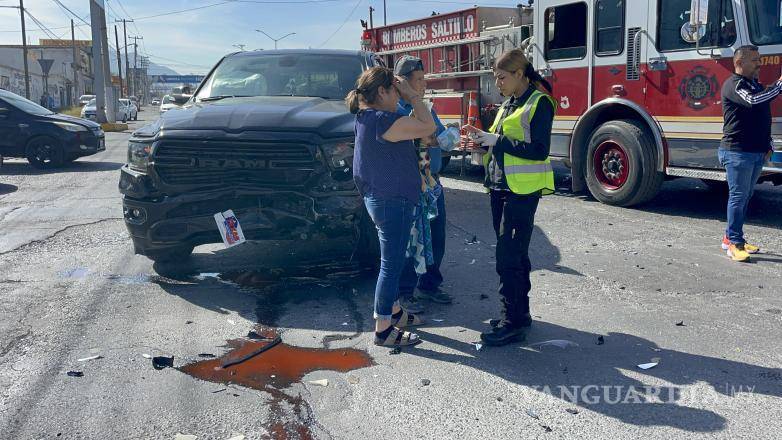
(621, 164)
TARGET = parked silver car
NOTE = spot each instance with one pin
(88, 111)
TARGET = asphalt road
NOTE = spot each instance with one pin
(71, 288)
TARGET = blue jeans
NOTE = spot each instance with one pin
(394, 220)
(432, 279)
(743, 170)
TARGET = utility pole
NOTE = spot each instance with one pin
(97, 63)
(135, 65)
(385, 22)
(119, 61)
(371, 10)
(24, 53)
(127, 62)
(111, 99)
(75, 67)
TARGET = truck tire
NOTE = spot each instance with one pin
(45, 153)
(366, 250)
(621, 164)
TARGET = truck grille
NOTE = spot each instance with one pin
(233, 163)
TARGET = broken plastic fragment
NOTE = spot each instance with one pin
(647, 366)
(438, 320)
(531, 412)
(231, 321)
(180, 436)
(478, 346)
(546, 428)
(319, 382)
(680, 324)
(91, 358)
(146, 356)
(425, 382)
(561, 343)
(572, 411)
(75, 374)
(161, 362)
(473, 261)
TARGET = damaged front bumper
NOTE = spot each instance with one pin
(157, 223)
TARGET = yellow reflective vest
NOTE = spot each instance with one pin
(523, 176)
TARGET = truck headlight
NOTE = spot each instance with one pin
(138, 155)
(75, 128)
(339, 154)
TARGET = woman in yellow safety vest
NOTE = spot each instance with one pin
(518, 173)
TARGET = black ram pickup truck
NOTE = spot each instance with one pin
(267, 135)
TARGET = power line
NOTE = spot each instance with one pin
(343, 23)
(41, 26)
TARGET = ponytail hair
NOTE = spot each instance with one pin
(515, 60)
(367, 86)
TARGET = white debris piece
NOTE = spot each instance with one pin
(319, 382)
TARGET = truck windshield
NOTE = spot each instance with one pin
(765, 21)
(321, 75)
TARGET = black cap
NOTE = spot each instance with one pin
(407, 64)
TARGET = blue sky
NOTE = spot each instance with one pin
(192, 42)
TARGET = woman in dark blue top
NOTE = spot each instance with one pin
(385, 168)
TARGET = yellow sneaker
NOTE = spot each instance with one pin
(750, 248)
(737, 253)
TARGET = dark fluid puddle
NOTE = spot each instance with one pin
(269, 365)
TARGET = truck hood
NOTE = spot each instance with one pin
(74, 120)
(328, 118)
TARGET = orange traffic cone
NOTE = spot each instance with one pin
(473, 113)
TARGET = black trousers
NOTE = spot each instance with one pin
(514, 218)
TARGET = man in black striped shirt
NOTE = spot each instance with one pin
(746, 142)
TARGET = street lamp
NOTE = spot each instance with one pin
(275, 39)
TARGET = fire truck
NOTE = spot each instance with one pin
(638, 82)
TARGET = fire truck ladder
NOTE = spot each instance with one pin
(456, 46)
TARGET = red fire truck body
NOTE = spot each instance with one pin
(638, 82)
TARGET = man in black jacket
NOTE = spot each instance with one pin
(746, 142)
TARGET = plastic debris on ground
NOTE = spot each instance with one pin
(600, 340)
(473, 261)
(319, 382)
(161, 362)
(397, 350)
(425, 382)
(680, 324)
(75, 374)
(146, 356)
(180, 436)
(206, 355)
(572, 411)
(237, 437)
(473, 240)
(438, 320)
(560, 343)
(647, 365)
(231, 321)
(531, 412)
(478, 346)
(546, 428)
(91, 358)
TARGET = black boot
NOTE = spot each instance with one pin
(524, 321)
(503, 334)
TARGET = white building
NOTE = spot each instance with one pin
(62, 86)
